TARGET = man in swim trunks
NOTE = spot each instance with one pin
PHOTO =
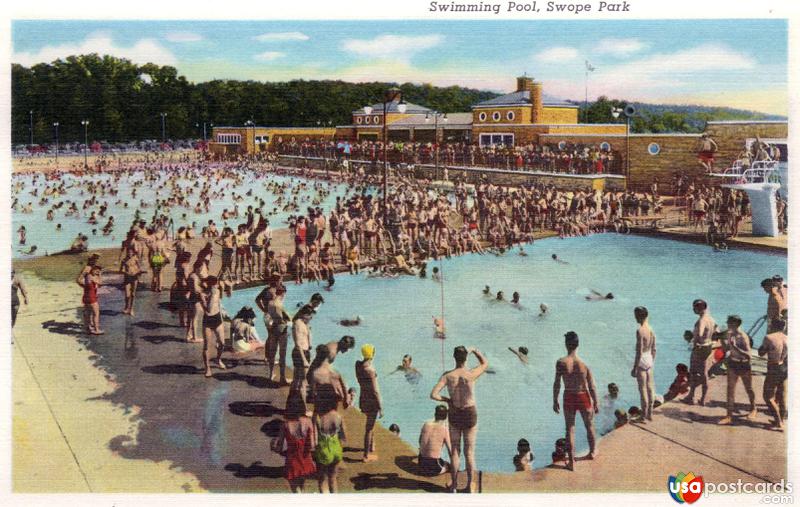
(775, 348)
(463, 413)
(702, 337)
(705, 155)
(579, 395)
(432, 437)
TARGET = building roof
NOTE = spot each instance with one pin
(454, 121)
(391, 107)
(522, 98)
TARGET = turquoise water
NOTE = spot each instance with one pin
(44, 235)
(516, 401)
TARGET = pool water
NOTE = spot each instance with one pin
(516, 401)
(43, 233)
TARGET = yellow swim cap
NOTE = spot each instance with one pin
(368, 351)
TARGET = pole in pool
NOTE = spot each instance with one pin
(85, 124)
(55, 125)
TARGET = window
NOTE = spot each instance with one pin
(229, 138)
(496, 139)
(605, 146)
(653, 149)
(376, 120)
(359, 120)
(510, 116)
(496, 116)
(367, 119)
(482, 117)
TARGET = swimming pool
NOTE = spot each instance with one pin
(516, 401)
(43, 233)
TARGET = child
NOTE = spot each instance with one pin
(90, 283)
(523, 460)
(561, 452)
(681, 383)
(621, 418)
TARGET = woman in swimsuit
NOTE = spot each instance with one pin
(300, 436)
(212, 322)
(644, 361)
(369, 400)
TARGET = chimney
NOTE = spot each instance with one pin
(524, 83)
(537, 106)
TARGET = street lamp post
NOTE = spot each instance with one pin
(205, 137)
(30, 128)
(251, 123)
(55, 126)
(436, 115)
(629, 111)
(389, 97)
(85, 124)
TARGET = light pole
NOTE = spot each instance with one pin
(30, 128)
(389, 97)
(205, 137)
(163, 129)
(436, 115)
(629, 111)
(85, 124)
(55, 126)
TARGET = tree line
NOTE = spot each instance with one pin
(124, 102)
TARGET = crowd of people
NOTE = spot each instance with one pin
(559, 158)
(396, 234)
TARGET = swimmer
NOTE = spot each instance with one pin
(515, 299)
(543, 309)
(487, 291)
(350, 322)
(438, 328)
(596, 296)
(412, 374)
(31, 250)
(555, 258)
(522, 252)
(521, 353)
(436, 276)
(500, 296)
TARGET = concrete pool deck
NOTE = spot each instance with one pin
(130, 411)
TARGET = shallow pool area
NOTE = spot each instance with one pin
(48, 240)
(515, 401)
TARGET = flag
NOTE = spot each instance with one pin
(589, 66)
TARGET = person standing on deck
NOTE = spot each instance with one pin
(702, 336)
(775, 347)
(463, 413)
(580, 395)
(644, 362)
(738, 344)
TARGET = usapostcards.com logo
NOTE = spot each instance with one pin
(685, 488)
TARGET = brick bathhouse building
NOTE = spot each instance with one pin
(522, 117)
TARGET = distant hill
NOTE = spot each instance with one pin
(659, 118)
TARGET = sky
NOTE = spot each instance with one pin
(734, 63)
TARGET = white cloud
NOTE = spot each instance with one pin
(557, 54)
(654, 77)
(619, 47)
(268, 56)
(143, 51)
(183, 37)
(281, 37)
(395, 47)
